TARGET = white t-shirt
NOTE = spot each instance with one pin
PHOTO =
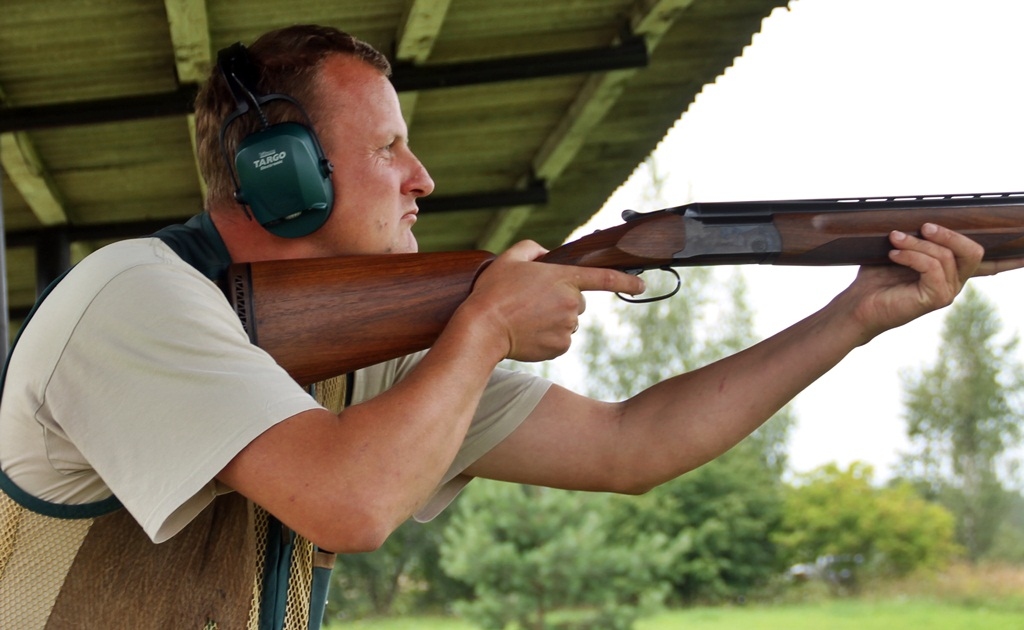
(136, 378)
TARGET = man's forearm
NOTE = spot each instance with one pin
(688, 420)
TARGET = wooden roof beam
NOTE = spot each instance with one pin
(406, 77)
(190, 36)
(417, 34)
(21, 162)
(35, 184)
(650, 19)
(193, 57)
(419, 29)
(31, 178)
(33, 181)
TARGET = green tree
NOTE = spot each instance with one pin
(403, 575)
(543, 558)
(721, 517)
(1008, 545)
(840, 514)
(726, 510)
(963, 414)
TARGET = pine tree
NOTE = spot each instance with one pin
(963, 415)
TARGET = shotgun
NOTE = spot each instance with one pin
(323, 317)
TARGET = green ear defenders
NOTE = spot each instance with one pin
(280, 172)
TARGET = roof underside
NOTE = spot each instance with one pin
(528, 113)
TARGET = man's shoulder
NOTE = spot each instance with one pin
(111, 265)
(122, 255)
(138, 276)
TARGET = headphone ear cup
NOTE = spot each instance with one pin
(285, 179)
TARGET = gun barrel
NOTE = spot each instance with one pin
(810, 232)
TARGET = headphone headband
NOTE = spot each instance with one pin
(241, 76)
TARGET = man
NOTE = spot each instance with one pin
(134, 385)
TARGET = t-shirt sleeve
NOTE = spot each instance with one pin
(159, 388)
(508, 399)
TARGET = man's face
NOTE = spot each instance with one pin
(377, 179)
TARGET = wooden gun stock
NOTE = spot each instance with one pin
(321, 317)
(326, 316)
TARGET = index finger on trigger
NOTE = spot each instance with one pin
(611, 280)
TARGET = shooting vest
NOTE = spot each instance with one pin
(92, 566)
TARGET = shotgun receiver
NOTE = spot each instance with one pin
(323, 317)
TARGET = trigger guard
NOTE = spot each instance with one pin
(657, 298)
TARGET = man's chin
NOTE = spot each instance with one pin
(409, 246)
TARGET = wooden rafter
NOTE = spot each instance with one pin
(35, 184)
(190, 36)
(419, 29)
(30, 177)
(650, 19)
(417, 34)
(21, 162)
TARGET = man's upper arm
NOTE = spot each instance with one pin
(567, 441)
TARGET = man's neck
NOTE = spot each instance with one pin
(248, 241)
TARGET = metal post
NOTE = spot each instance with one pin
(53, 257)
(5, 321)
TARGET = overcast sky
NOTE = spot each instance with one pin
(856, 98)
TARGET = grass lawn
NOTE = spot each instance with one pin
(984, 597)
(404, 623)
(830, 615)
(841, 615)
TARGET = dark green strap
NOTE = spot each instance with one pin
(199, 244)
(318, 596)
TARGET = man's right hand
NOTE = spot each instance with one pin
(535, 306)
